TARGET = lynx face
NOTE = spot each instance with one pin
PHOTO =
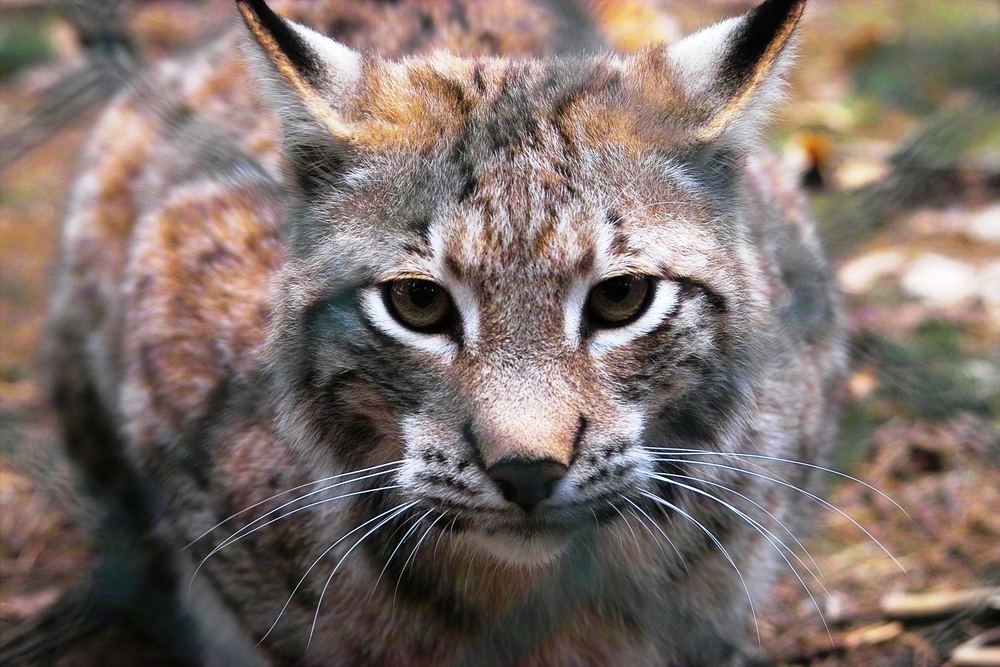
(515, 276)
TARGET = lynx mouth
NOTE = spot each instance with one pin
(520, 547)
(557, 518)
(527, 538)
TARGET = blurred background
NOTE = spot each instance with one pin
(892, 126)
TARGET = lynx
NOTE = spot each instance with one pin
(443, 341)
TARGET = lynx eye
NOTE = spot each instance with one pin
(620, 300)
(419, 304)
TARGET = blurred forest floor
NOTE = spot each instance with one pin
(893, 125)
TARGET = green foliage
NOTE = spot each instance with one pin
(944, 47)
(859, 419)
(933, 376)
(23, 42)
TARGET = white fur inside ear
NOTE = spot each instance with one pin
(307, 105)
(699, 62)
(341, 64)
(697, 57)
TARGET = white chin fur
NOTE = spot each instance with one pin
(519, 550)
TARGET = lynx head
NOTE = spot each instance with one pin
(514, 274)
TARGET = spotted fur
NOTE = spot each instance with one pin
(218, 309)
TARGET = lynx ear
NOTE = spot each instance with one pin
(733, 70)
(307, 78)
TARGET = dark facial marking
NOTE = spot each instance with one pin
(317, 322)
(445, 480)
(460, 156)
(415, 249)
(421, 225)
(512, 125)
(477, 78)
(454, 267)
(709, 409)
(581, 428)
(470, 438)
(689, 285)
(620, 244)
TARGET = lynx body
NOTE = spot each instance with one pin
(494, 276)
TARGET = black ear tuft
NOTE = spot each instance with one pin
(733, 70)
(308, 79)
(759, 40)
(282, 45)
(291, 49)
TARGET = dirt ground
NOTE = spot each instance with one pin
(893, 125)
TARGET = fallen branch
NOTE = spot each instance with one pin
(908, 606)
(980, 651)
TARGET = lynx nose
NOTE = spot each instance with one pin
(526, 483)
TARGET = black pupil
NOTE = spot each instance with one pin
(617, 289)
(422, 293)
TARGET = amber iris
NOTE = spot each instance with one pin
(419, 304)
(617, 301)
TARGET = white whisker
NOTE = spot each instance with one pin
(468, 575)
(657, 526)
(702, 452)
(778, 480)
(627, 524)
(282, 493)
(295, 500)
(361, 539)
(396, 510)
(236, 537)
(647, 528)
(413, 529)
(767, 535)
(766, 511)
(398, 545)
(437, 542)
(717, 543)
(416, 548)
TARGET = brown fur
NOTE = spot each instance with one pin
(221, 240)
